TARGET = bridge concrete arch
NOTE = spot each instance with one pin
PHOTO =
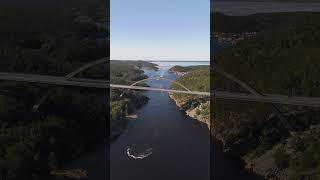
(158, 78)
(36, 106)
(213, 67)
(162, 78)
(253, 91)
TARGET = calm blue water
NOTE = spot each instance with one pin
(168, 64)
(180, 145)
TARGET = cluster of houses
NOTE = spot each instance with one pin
(233, 38)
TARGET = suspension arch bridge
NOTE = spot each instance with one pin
(70, 80)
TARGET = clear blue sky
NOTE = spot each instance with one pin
(160, 29)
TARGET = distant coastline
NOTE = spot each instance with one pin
(248, 7)
(176, 61)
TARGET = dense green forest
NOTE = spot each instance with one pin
(49, 37)
(258, 22)
(178, 68)
(283, 58)
(197, 78)
(124, 102)
(139, 64)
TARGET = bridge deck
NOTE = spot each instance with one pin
(102, 84)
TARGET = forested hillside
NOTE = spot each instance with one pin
(124, 102)
(197, 78)
(283, 58)
(187, 68)
(257, 22)
(48, 38)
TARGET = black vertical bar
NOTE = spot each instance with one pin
(106, 16)
(212, 164)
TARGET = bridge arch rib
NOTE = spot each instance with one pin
(213, 67)
(253, 91)
(36, 106)
(162, 78)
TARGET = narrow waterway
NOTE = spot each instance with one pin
(180, 145)
(175, 146)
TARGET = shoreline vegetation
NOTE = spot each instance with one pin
(194, 78)
(281, 58)
(124, 102)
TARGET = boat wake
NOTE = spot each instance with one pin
(142, 155)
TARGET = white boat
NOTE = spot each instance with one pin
(142, 155)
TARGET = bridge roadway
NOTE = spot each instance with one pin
(224, 95)
(253, 91)
(102, 84)
(69, 76)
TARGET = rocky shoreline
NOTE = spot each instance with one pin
(247, 162)
(262, 166)
(192, 112)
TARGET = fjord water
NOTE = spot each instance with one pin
(180, 145)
